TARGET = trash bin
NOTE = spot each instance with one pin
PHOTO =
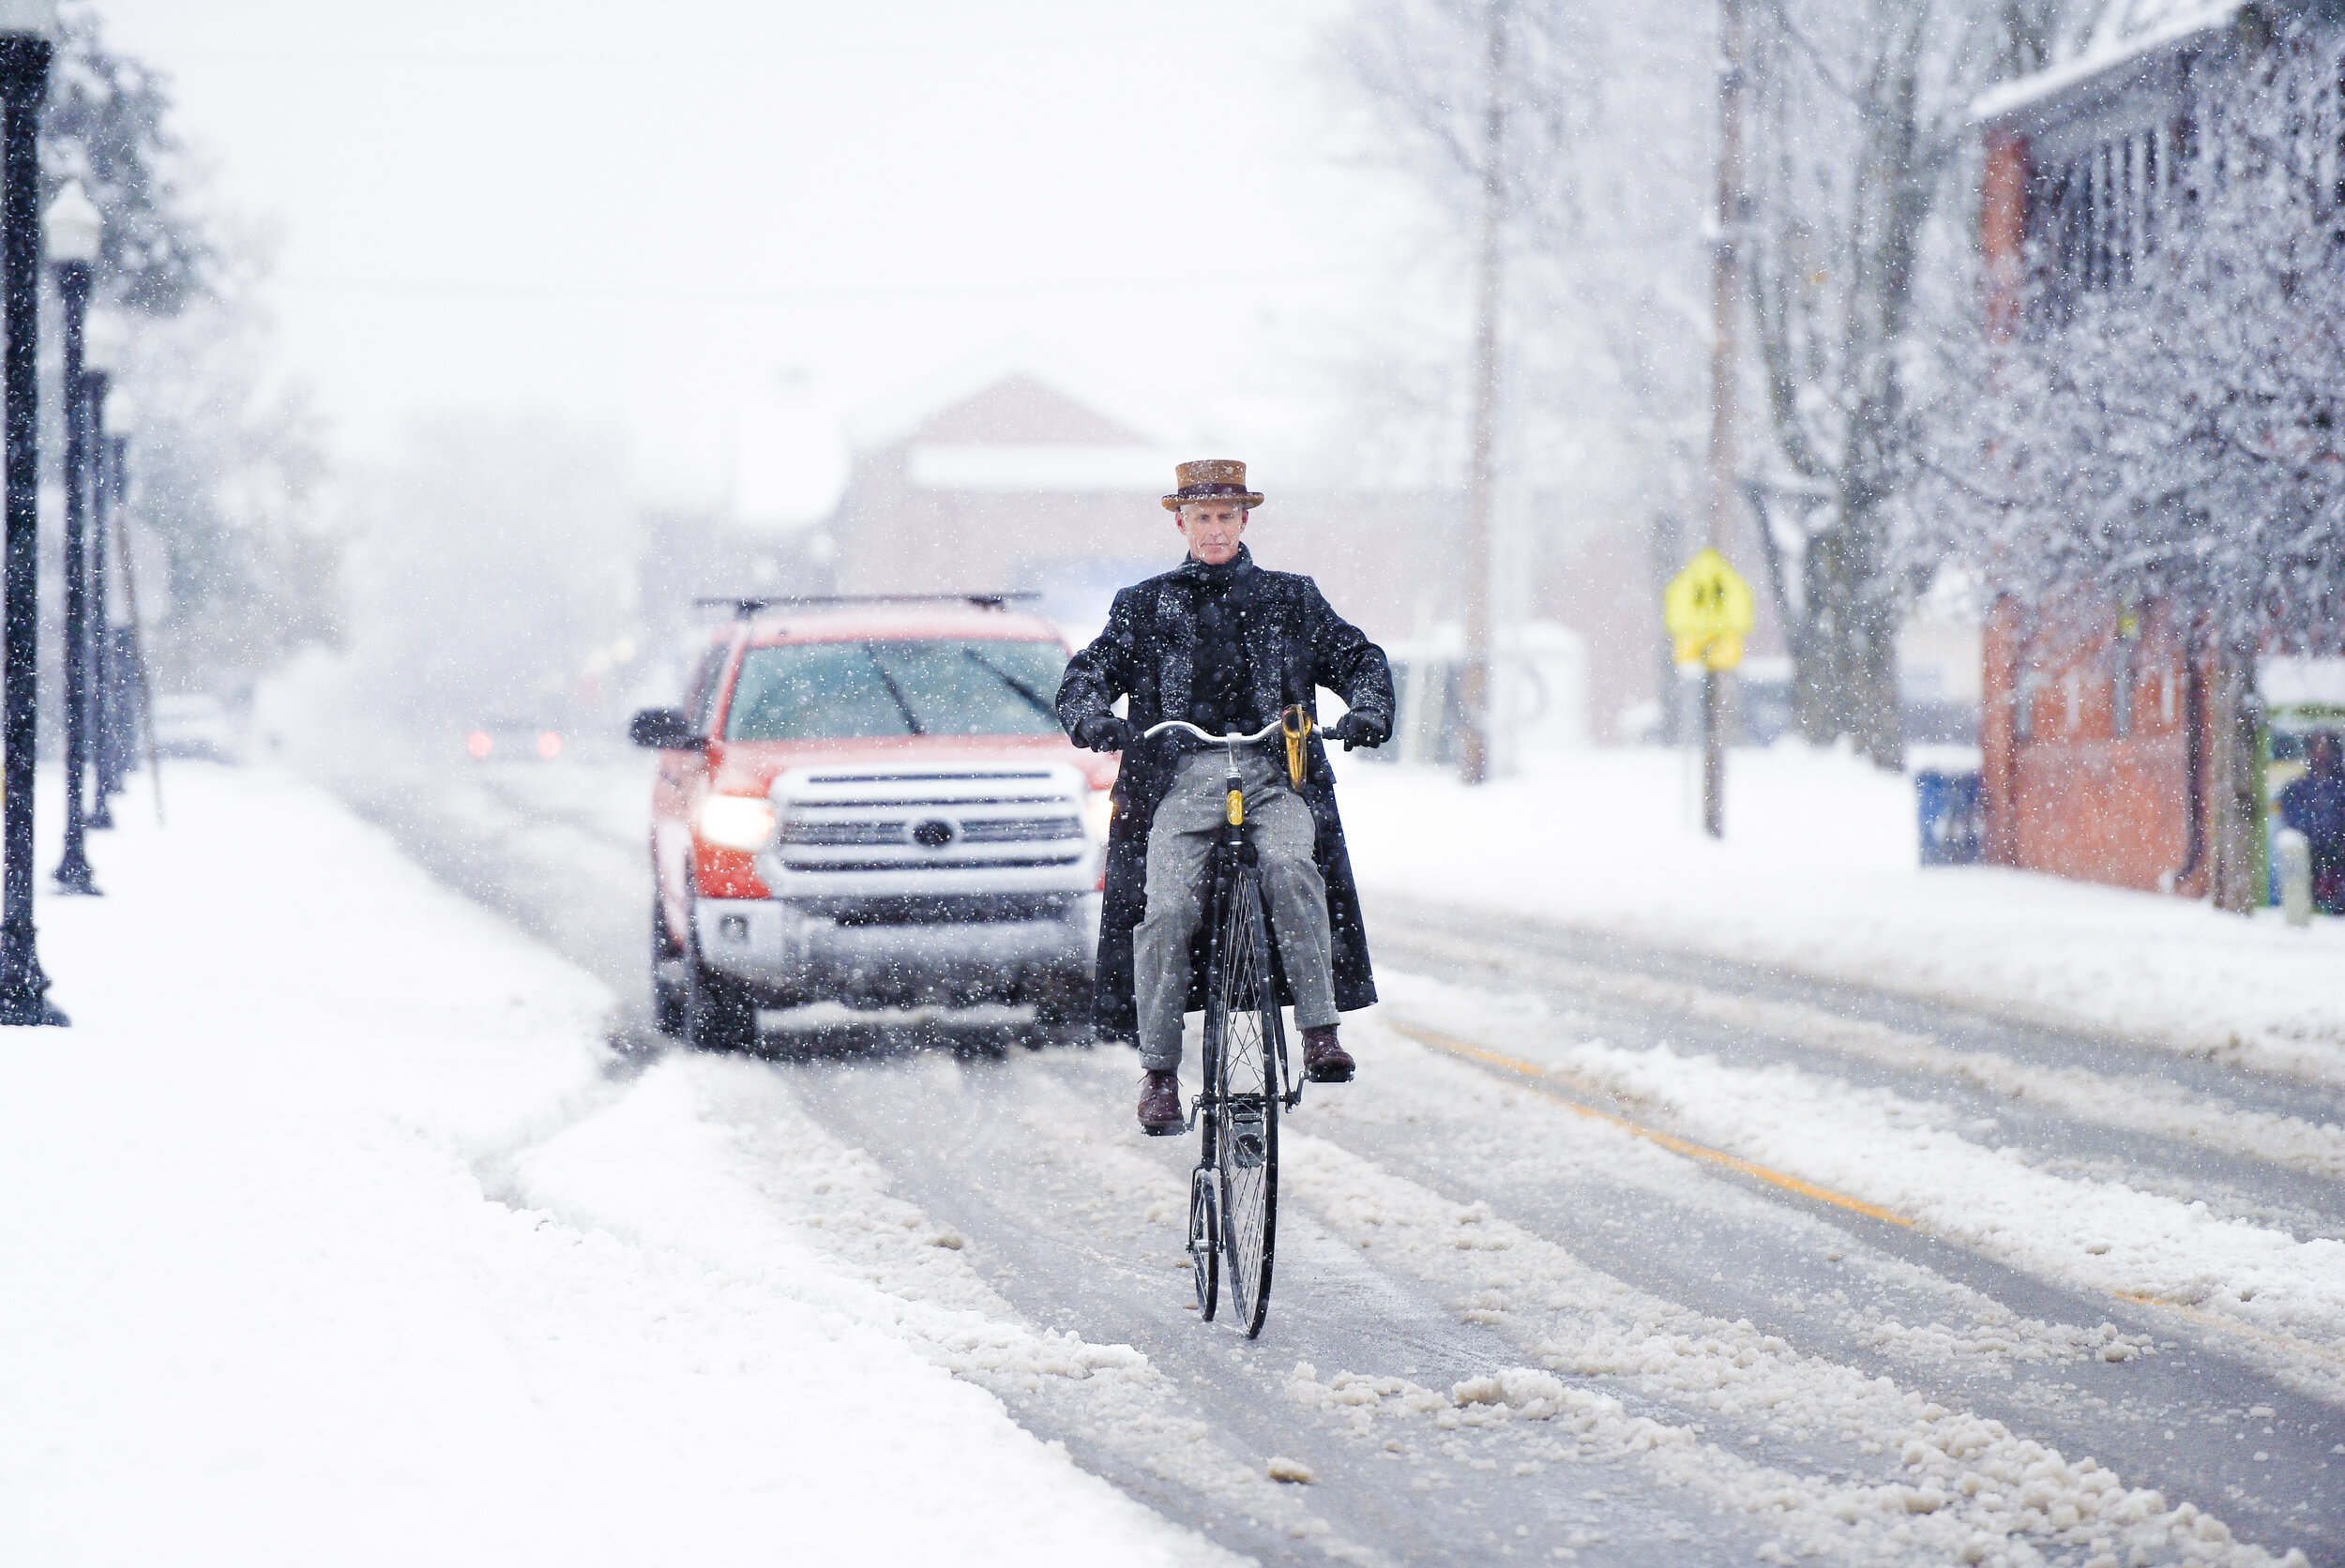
(1949, 817)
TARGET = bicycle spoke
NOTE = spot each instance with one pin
(1247, 1112)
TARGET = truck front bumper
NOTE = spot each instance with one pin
(792, 955)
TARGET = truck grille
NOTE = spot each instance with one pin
(800, 830)
(947, 823)
(898, 830)
(1020, 830)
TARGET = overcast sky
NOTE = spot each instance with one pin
(637, 215)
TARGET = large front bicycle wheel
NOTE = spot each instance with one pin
(1241, 1010)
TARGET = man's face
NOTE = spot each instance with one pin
(1212, 529)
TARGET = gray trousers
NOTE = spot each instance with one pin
(1180, 843)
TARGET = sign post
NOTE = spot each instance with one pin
(1708, 610)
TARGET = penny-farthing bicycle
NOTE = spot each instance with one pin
(1248, 1078)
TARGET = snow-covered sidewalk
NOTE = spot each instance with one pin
(319, 1250)
(1817, 875)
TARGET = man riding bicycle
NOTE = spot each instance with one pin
(1227, 646)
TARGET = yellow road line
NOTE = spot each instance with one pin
(2228, 1325)
(1550, 1084)
(1547, 1083)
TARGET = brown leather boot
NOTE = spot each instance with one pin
(1324, 1060)
(1160, 1105)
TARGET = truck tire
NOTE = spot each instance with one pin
(720, 1014)
(670, 993)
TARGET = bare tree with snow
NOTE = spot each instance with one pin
(1859, 125)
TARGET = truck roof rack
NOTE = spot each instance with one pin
(744, 608)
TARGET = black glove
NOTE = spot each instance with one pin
(1107, 733)
(1357, 729)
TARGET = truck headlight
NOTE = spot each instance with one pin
(1098, 811)
(738, 822)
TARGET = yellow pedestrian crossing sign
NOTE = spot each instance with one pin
(1707, 607)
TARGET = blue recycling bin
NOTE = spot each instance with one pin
(1950, 825)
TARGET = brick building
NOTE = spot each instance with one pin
(2117, 745)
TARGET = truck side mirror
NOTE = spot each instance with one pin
(665, 730)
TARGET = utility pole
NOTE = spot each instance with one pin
(1474, 692)
(1725, 301)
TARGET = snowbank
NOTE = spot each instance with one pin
(288, 1282)
(1818, 874)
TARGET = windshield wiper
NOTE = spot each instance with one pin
(1020, 688)
(904, 705)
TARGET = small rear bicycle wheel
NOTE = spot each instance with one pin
(1205, 1238)
(1241, 1013)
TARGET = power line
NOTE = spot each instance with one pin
(633, 57)
(494, 288)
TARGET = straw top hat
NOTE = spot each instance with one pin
(1211, 479)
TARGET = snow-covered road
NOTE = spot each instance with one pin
(1911, 1286)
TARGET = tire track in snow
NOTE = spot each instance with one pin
(1029, 1234)
(1924, 1482)
(717, 1158)
(2303, 1053)
(2133, 1104)
(2104, 1237)
(1969, 1333)
(1034, 1160)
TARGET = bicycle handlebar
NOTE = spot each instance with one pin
(1263, 735)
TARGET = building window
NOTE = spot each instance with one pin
(2098, 215)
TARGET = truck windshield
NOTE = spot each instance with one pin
(821, 691)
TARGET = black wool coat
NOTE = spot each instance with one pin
(1294, 643)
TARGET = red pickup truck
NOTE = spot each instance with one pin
(872, 803)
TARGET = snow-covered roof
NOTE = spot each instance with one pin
(2127, 33)
(893, 418)
(2289, 681)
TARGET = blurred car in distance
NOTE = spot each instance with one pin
(505, 740)
(195, 725)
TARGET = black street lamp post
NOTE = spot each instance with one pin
(100, 352)
(26, 27)
(106, 664)
(117, 730)
(73, 229)
(94, 635)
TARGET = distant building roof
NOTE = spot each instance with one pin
(1009, 395)
(1040, 466)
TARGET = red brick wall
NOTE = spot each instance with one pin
(2064, 792)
